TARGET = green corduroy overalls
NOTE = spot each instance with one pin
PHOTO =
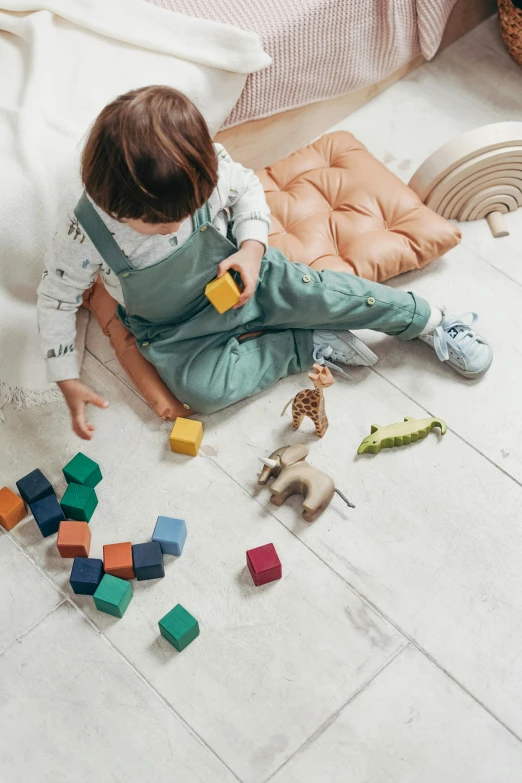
(196, 350)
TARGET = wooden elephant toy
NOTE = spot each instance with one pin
(294, 476)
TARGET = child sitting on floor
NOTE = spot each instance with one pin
(164, 211)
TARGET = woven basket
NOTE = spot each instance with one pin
(510, 19)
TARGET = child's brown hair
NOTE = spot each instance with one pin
(150, 156)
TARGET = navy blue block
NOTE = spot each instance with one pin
(148, 561)
(86, 575)
(48, 514)
(34, 487)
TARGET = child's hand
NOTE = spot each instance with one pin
(247, 261)
(78, 396)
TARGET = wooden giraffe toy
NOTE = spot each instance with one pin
(310, 402)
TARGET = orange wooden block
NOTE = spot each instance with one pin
(74, 539)
(117, 560)
(12, 508)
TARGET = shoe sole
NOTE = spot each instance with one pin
(361, 349)
(472, 375)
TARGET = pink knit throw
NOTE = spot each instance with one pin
(323, 48)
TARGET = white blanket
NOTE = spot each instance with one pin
(61, 61)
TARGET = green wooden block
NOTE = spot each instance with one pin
(113, 595)
(79, 502)
(179, 627)
(82, 470)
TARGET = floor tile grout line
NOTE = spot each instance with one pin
(453, 432)
(381, 613)
(114, 375)
(31, 628)
(154, 690)
(333, 717)
(490, 265)
(87, 619)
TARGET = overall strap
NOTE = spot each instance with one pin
(100, 236)
(201, 216)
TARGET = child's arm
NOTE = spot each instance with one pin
(240, 191)
(72, 264)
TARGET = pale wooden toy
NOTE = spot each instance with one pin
(223, 292)
(294, 476)
(310, 402)
(477, 175)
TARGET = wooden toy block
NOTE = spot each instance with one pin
(186, 436)
(264, 564)
(179, 627)
(48, 514)
(223, 292)
(171, 534)
(113, 595)
(148, 561)
(12, 508)
(117, 560)
(74, 539)
(34, 487)
(79, 502)
(82, 470)
(86, 575)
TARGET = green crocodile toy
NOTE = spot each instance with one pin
(407, 431)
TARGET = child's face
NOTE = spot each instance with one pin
(152, 228)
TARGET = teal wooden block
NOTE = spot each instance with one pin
(79, 502)
(113, 595)
(179, 627)
(82, 470)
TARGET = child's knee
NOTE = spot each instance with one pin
(203, 398)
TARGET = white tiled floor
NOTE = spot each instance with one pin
(391, 649)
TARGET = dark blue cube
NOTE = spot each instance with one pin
(48, 514)
(34, 487)
(86, 575)
(148, 561)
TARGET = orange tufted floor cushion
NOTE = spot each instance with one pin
(334, 206)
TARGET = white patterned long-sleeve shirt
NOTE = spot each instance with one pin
(72, 263)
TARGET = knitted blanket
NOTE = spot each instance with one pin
(323, 48)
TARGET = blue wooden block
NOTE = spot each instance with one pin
(86, 575)
(34, 487)
(48, 514)
(148, 561)
(171, 535)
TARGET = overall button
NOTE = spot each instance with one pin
(306, 279)
(125, 274)
(203, 228)
(370, 300)
(145, 343)
(186, 405)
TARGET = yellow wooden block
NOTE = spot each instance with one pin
(223, 292)
(186, 436)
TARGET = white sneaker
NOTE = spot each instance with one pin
(456, 342)
(341, 347)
